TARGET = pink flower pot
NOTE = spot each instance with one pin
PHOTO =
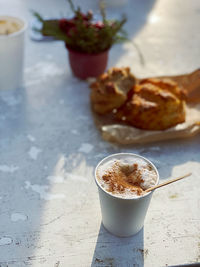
(87, 65)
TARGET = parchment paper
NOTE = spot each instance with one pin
(123, 134)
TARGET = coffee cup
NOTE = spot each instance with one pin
(123, 216)
(12, 32)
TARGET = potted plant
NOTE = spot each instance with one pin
(87, 41)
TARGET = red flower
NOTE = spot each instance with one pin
(66, 24)
(99, 25)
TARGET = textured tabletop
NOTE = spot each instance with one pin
(49, 146)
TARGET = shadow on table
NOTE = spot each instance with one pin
(116, 251)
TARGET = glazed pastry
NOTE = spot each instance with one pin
(156, 104)
(110, 90)
(168, 85)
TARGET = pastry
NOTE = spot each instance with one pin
(156, 104)
(168, 85)
(110, 90)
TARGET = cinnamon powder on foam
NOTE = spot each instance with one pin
(120, 179)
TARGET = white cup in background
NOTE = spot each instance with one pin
(123, 216)
(12, 55)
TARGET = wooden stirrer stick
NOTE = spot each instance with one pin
(167, 182)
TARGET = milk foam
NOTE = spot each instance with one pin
(9, 25)
(149, 175)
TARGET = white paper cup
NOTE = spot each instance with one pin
(12, 56)
(123, 216)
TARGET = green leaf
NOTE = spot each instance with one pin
(37, 15)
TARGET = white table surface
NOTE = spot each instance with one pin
(49, 146)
